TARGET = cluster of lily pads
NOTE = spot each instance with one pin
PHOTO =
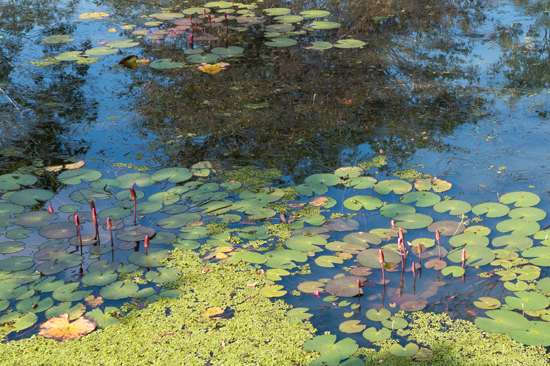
(389, 235)
(204, 25)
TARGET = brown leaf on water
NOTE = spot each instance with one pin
(53, 169)
(93, 301)
(319, 201)
(61, 330)
(78, 164)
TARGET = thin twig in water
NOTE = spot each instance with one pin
(12, 102)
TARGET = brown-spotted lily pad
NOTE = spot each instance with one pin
(135, 233)
(447, 228)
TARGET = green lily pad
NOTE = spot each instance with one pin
(164, 275)
(374, 335)
(30, 197)
(9, 182)
(476, 255)
(17, 263)
(104, 319)
(58, 230)
(174, 175)
(512, 242)
(166, 198)
(320, 45)
(227, 51)
(359, 182)
(275, 274)
(122, 43)
(324, 25)
(520, 199)
(369, 257)
(425, 242)
(68, 292)
(299, 313)
(273, 291)
(544, 285)
(492, 209)
(85, 195)
(10, 247)
(447, 228)
(99, 278)
(166, 16)
(165, 63)
(101, 51)
(528, 300)
(26, 306)
(434, 183)
(357, 202)
(351, 326)
(422, 199)
(310, 287)
(362, 238)
(51, 267)
(77, 176)
(326, 345)
(150, 260)
(408, 351)
(395, 323)
(348, 43)
(394, 209)
(537, 334)
(276, 11)
(378, 316)
(7, 208)
(502, 321)
(284, 259)
(456, 271)
(190, 11)
(328, 261)
(527, 214)
(35, 219)
(135, 233)
(118, 290)
(65, 308)
(305, 243)
(454, 207)
(58, 38)
(315, 13)
(140, 179)
(468, 239)
(103, 266)
(518, 227)
(219, 4)
(412, 221)
(393, 185)
(288, 19)
(282, 42)
(518, 286)
(179, 220)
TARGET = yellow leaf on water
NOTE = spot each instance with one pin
(61, 330)
(210, 312)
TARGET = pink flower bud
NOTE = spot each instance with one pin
(94, 217)
(191, 38)
(50, 209)
(392, 224)
(437, 236)
(316, 293)
(401, 235)
(225, 15)
(146, 243)
(92, 205)
(204, 12)
(381, 257)
(76, 220)
(109, 223)
(133, 193)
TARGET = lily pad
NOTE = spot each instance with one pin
(328, 261)
(99, 278)
(315, 13)
(487, 303)
(438, 185)
(378, 316)
(30, 197)
(16, 263)
(454, 207)
(348, 43)
(502, 321)
(324, 25)
(104, 319)
(101, 51)
(310, 287)
(166, 63)
(305, 243)
(351, 326)
(518, 227)
(412, 221)
(374, 335)
(476, 255)
(276, 11)
(456, 271)
(51, 267)
(408, 351)
(394, 209)
(282, 42)
(528, 300)
(520, 199)
(537, 334)
(77, 176)
(368, 202)
(10, 247)
(395, 323)
(362, 238)
(68, 292)
(10, 182)
(58, 230)
(422, 199)
(200, 59)
(492, 209)
(273, 291)
(468, 239)
(150, 260)
(60, 329)
(396, 186)
(118, 290)
(369, 257)
(344, 286)
(58, 38)
(447, 228)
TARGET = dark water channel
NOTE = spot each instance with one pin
(455, 89)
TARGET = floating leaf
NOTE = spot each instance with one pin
(348, 43)
(10, 182)
(273, 291)
(351, 326)
(282, 42)
(249, 257)
(30, 197)
(476, 255)
(412, 221)
(118, 290)
(104, 319)
(422, 199)
(456, 271)
(454, 207)
(396, 186)
(344, 286)
(518, 227)
(315, 13)
(68, 292)
(434, 183)
(538, 334)
(310, 287)
(166, 63)
(34, 304)
(395, 209)
(527, 300)
(99, 278)
(305, 243)
(468, 239)
(408, 351)
(378, 316)
(324, 25)
(58, 38)
(327, 261)
(61, 330)
(150, 260)
(203, 59)
(369, 257)
(395, 323)
(374, 335)
(447, 228)
(492, 209)
(16, 263)
(487, 303)
(276, 11)
(357, 202)
(520, 199)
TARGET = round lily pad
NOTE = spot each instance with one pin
(99, 278)
(357, 202)
(456, 271)
(527, 214)
(422, 199)
(315, 13)
(135, 233)
(396, 186)
(164, 275)
(305, 243)
(68, 292)
(454, 207)
(476, 255)
(227, 51)
(276, 11)
(349, 43)
(362, 238)
(520, 199)
(207, 58)
(513, 242)
(58, 38)
(412, 221)
(282, 42)
(273, 291)
(369, 257)
(351, 326)
(165, 63)
(395, 323)
(537, 334)
(487, 303)
(394, 209)
(118, 290)
(344, 286)
(12, 181)
(51, 267)
(149, 260)
(328, 261)
(527, 300)
(10, 247)
(58, 230)
(468, 239)
(101, 51)
(502, 321)
(34, 304)
(492, 209)
(374, 335)
(310, 287)
(324, 25)
(174, 175)
(104, 319)
(408, 351)
(378, 315)
(179, 220)
(30, 197)
(447, 228)
(289, 19)
(78, 175)
(518, 227)
(434, 183)
(17, 263)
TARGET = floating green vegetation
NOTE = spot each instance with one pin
(222, 301)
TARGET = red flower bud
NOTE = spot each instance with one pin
(204, 12)
(463, 257)
(191, 38)
(209, 19)
(316, 293)
(225, 15)
(133, 193)
(437, 236)
(94, 217)
(50, 209)
(146, 243)
(92, 205)
(109, 223)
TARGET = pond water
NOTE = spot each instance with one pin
(457, 90)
